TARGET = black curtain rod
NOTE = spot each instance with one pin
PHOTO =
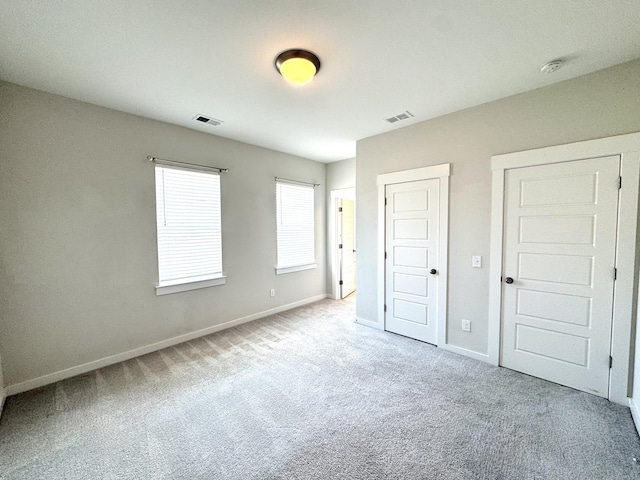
(286, 180)
(164, 161)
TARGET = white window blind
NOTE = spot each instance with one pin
(295, 227)
(189, 225)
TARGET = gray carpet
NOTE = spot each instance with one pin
(308, 394)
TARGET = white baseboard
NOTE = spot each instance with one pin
(136, 352)
(448, 347)
(369, 323)
(3, 396)
(483, 357)
(635, 413)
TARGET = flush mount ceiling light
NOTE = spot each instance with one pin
(297, 66)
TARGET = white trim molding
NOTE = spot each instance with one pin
(626, 287)
(635, 414)
(168, 289)
(3, 393)
(3, 397)
(483, 357)
(136, 352)
(441, 172)
(296, 268)
(369, 323)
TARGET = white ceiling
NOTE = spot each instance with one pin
(172, 59)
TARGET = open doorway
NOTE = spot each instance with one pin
(346, 247)
(343, 243)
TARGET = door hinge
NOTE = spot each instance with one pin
(385, 255)
(385, 308)
(339, 245)
(341, 282)
(610, 361)
(339, 209)
(385, 201)
(615, 273)
(619, 183)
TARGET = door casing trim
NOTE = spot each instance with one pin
(441, 172)
(625, 299)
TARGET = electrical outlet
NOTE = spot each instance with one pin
(476, 261)
(466, 325)
(273, 292)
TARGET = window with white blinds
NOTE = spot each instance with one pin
(295, 227)
(189, 228)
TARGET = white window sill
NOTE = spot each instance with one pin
(296, 268)
(166, 289)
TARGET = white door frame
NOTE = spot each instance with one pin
(3, 393)
(349, 194)
(441, 172)
(628, 147)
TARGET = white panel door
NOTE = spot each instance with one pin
(558, 275)
(348, 248)
(412, 218)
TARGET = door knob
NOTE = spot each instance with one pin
(433, 271)
(508, 280)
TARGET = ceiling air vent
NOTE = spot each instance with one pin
(402, 116)
(210, 120)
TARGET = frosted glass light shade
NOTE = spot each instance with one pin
(297, 66)
(298, 70)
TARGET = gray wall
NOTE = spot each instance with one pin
(77, 233)
(601, 104)
(341, 174)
